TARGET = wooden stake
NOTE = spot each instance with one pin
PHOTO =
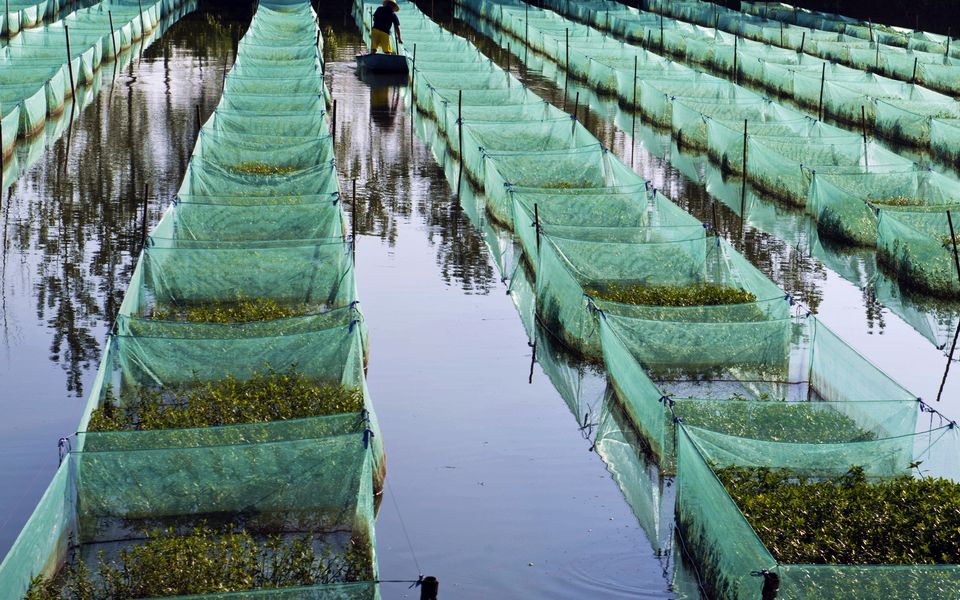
(913, 78)
(113, 36)
(353, 222)
(953, 241)
(143, 25)
(199, 121)
(460, 136)
(823, 79)
(536, 224)
(333, 125)
(661, 31)
(781, 33)
(863, 127)
(953, 348)
(567, 35)
(429, 588)
(735, 38)
(73, 85)
(743, 184)
(876, 65)
(803, 41)
(508, 62)
(576, 106)
(143, 219)
(2, 150)
(633, 119)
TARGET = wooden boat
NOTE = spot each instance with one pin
(382, 63)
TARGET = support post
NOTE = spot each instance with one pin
(6, 19)
(953, 242)
(508, 61)
(946, 370)
(633, 117)
(113, 37)
(743, 181)
(803, 41)
(460, 138)
(429, 588)
(2, 150)
(913, 78)
(353, 222)
(143, 25)
(333, 125)
(661, 32)
(823, 79)
(143, 218)
(870, 25)
(735, 70)
(73, 83)
(576, 106)
(526, 25)
(781, 33)
(199, 121)
(863, 128)
(876, 64)
(567, 46)
(536, 224)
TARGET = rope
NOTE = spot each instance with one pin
(403, 528)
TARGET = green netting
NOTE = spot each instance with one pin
(97, 498)
(732, 555)
(843, 203)
(917, 244)
(258, 217)
(784, 147)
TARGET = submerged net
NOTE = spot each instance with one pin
(248, 280)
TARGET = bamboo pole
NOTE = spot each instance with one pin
(113, 38)
(743, 181)
(633, 119)
(73, 85)
(823, 79)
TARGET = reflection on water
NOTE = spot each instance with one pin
(71, 219)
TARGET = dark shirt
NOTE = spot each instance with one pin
(384, 18)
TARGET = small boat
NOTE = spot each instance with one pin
(382, 63)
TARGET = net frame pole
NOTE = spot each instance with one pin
(823, 80)
(576, 107)
(735, 70)
(143, 218)
(661, 32)
(863, 128)
(460, 134)
(199, 121)
(953, 241)
(536, 224)
(113, 38)
(913, 78)
(567, 46)
(73, 85)
(143, 25)
(508, 62)
(353, 224)
(633, 116)
(946, 370)
(743, 181)
(333, 124)
(803, 42)
(2, 150)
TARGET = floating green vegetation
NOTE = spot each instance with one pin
(849, 520)
(207, 561)
(263, 398)
(262, 168)
(897, 200)
(774, 421)
(704, 294)
(242, 310)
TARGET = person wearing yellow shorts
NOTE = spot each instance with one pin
(384, 18)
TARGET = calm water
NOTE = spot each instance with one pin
(510, 477)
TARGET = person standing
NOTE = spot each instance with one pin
(384, 18)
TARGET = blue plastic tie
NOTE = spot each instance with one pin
(367, 434)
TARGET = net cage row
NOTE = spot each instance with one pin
(230, 412)
(840, 177)
(41, 68)
(758, 370)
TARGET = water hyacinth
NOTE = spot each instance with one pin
(263, 398)
(206, 561)
(702, 294)
(849, 520)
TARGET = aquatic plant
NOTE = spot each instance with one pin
(849, 519)
(702, 294)
(775, 421)
(265, 397)
(205, 561)
(242, 310)
(262, 168)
